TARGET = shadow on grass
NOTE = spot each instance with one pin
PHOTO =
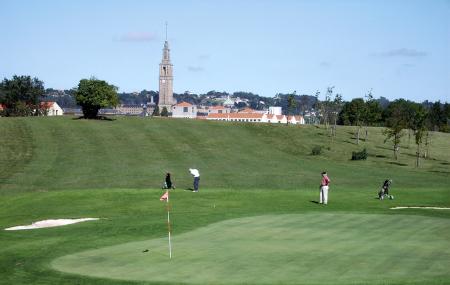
(397, 163)
(384, 147)
(99, 118)
(440, 171)
(380, 155)
(315, 202)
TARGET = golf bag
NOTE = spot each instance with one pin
(384, 192)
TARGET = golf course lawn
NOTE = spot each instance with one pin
(283, 249)
(255, 220)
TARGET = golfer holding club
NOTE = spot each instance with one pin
(324, 188)
(194, 172)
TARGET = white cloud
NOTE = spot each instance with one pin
(195, 68)
(402, 52)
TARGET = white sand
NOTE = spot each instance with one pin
(434, 208)
(50, 224)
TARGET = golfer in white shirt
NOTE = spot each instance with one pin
(196, 175)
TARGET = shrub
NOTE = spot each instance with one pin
(359, 155)
(316, 150)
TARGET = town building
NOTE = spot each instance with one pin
(52, 108)
(130, 109)
(255, 117)
(218, 110)
(184, 110)
(275, 110)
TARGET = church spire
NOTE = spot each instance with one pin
(166, 50)
(166, 78)
(166, 31)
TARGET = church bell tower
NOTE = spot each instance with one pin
(166, 79)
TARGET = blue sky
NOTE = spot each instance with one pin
(399, 49)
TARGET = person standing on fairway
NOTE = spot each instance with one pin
(324, 188)
(196, 175)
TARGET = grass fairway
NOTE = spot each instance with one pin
(283, 249)
(254, 220)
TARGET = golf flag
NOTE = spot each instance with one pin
(165, 196)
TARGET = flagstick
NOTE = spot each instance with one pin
(168, 225)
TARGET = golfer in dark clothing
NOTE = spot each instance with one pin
(168, 183)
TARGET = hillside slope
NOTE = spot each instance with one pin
(40, 154)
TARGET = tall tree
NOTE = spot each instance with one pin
(336, 109)
(438, 118)
(372, 114)
(396, 121)
(94, 94)
(353, 114)
(21, 96)
(418, 125)
(291, 105)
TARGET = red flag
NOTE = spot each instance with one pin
(165, 196)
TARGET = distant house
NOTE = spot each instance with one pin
(129, 109)
(52, 108)
(236, 117)
(218, 110)
(184, 110)
(254, 117)
(296, 120)
(275, 110)
(228, 102)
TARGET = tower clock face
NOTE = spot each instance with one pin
(163, 81)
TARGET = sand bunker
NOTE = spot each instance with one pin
(418, 207)
(50, 224)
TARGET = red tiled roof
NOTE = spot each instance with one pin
(183, 104)
(236, 116)
(247, 110)
(46, 105)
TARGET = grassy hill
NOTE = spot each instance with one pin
(63, 153)
(259, 185)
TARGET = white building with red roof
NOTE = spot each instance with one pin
(52, 108)
(255, 117)
(184, 110)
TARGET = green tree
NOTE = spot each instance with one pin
(336, 109)
(21, 96)
(156, 111)
(353, 114)
(164, 112)
(418, 125)
(94, 94)
(396, 121)
(292, 104)
(372, 114)
(438, 117)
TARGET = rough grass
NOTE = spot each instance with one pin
(65, 168)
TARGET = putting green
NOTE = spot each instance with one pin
(283, 249)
